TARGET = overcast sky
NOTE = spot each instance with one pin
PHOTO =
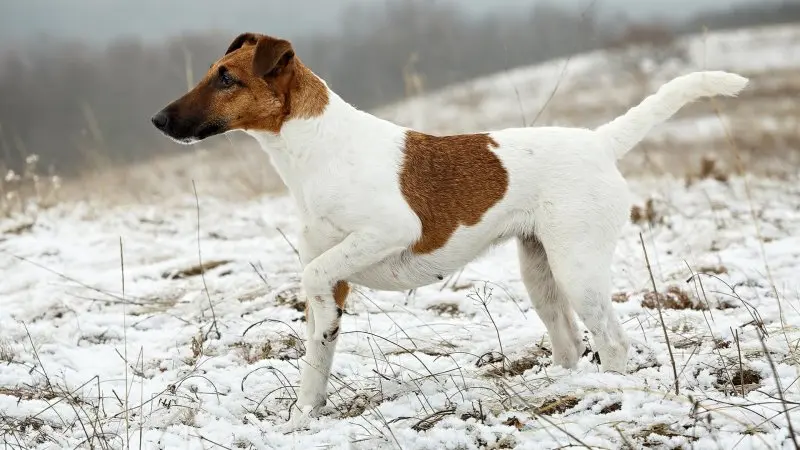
(99, 20)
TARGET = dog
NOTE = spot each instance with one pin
(391, 208)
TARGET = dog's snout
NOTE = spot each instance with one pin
(160, 120)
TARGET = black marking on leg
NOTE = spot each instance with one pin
(339, 312)
(333, 334)
(440, 277)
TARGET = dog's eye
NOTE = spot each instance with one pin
(225, 78)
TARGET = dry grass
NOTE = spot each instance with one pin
(236, 170)
(445, 309)
(291, 298)
(646, 214)
(537, 356)
(24, 194)
(738, 381)
(7, 354)
(558, 405)
(195, 270)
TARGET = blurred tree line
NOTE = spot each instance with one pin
(76, 105)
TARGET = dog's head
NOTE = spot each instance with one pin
(257, 85)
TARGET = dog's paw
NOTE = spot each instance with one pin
(299, 419)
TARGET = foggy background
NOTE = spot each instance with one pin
(79, 79)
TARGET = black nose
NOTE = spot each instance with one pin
(160, 120)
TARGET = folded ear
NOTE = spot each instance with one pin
(272, 56)
(244, 38)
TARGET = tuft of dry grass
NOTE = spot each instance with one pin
(646, 214)
(445, 309)
(535, 357)
(673, 298)
(739, 381)
(28, 392)
(7, 354)
(25, 193)
(654, 435)
(357, 405)
(194, 270)
(620, 297)
(284, 348)
(716, 270)
(558, 405)
(677, 298)
(608, 409)
(291, 298)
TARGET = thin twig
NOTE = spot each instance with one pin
(125, 344)
(65, 277)
(660, 315)
(563, 71)
(141, 398)
(555, 89)
(203, 270)
(780, 391)
(294, 249)
(516, 91)
(484, 300)
(741, 366)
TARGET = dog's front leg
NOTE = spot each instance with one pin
(325, 285)
(316, 364)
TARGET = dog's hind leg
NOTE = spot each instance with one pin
(580, 267)
(579, 238)
(550, 303)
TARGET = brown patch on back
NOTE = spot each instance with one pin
(340, 291)
(450, 181)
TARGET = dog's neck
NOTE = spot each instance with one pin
(303, 142)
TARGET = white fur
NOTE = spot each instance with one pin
(566, 204)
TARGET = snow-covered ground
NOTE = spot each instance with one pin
(111, 336)
(412, 370)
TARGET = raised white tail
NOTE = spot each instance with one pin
(624, 132)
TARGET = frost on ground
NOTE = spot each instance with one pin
(461, 364)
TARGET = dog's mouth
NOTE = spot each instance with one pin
(207, 130)
(185, 131)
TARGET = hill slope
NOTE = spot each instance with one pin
(590, 89)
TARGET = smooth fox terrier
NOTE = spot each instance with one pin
(391, 208)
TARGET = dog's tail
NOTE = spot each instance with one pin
(624, 132)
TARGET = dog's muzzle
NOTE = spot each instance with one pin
(184, 130)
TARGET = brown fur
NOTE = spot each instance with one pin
(272, 86)
(340, 292)
(450, 181)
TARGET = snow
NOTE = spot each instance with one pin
(102, 346)
(402, 357)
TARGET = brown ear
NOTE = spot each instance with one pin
(271, 56)
(244, 38)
